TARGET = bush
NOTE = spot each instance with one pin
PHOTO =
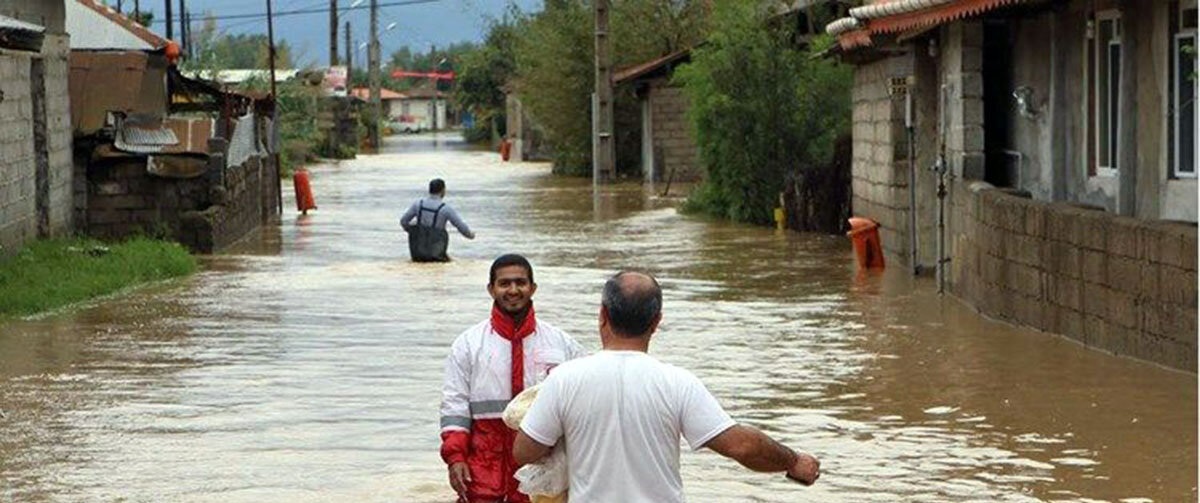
(761, 111)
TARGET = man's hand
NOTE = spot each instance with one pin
(805, 470)
(460, 475)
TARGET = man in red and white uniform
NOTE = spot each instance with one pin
(489, 364)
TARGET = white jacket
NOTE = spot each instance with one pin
(479, 369)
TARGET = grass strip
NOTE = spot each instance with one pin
(53, 273)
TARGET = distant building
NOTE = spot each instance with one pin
(427, 105)
(36, 176)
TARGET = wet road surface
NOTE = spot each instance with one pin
(306, 364)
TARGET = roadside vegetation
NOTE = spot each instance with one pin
(54, 273)
(764, 112)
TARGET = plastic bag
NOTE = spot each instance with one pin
(548, 477)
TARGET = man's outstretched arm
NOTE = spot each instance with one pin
(756, 451)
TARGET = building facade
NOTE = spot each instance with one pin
(1067, 132)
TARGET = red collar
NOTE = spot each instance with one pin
(505, 326)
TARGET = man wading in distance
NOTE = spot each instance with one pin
(621, 413)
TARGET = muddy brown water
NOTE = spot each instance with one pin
(305, 365)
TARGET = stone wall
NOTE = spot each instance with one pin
(676, 155)
(35, 202)
(205, 213)
(1114, 283)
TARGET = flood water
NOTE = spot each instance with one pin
(306, 364)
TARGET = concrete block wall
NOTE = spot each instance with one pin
(672, 134)
(18, 211)
(18, 158)
(879, 170)
(1118, 284)
(55, 50)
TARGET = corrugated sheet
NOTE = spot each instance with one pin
(243, 145)
(172, 136)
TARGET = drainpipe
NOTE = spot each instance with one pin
(939, 167)
(914, 261)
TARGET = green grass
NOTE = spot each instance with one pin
(53, 273)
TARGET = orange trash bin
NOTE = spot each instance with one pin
(864, 232)
(505, 150)
(304, 196)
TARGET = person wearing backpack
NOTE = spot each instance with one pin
(425, 223)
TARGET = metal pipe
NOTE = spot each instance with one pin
(914, 260)
(940, 168)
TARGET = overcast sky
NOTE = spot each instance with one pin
(419, 26)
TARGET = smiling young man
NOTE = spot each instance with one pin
(488, 365)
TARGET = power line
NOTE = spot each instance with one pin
(263, 15)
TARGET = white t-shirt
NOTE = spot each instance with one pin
(621, 414)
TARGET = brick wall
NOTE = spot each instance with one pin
(1119, 284)
(18, 156)
(674, 148)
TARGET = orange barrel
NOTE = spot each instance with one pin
(304, 196)
(864, 232)
(505, 150)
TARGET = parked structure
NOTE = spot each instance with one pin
(1067, 133)
(157, 152)
(35, 149)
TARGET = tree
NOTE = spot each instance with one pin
(761, 110)
(555, 67)
(484, 72)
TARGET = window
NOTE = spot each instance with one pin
(1104, 81)
(1183, 91)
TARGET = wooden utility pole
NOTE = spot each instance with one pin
(373, 76)
(137, 10)
(349, 57)
(602, 105)
(170, 21)
(333, 28)
(183, 27)
(119, 5)
(274, 107)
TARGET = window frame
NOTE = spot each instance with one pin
(1109, 104)
(1176, 88)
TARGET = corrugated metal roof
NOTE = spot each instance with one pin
(896, 16)
(636, 71)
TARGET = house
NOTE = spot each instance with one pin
(35, 149)
(1065, 134)
(390, 99)
(669, 153)
(157, 152)
(427, 105)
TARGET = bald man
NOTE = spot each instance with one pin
(621, 412)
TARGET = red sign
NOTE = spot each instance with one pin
(397, 74)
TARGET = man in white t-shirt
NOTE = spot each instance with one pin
(621, 413)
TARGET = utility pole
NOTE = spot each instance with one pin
(349, 58)
(137, 10)
(183, 27)
(119, 10)
(602, 105)
(333, 27)
(274, 107)
(170, 21)
(373, 76)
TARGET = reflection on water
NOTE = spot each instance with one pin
(305, 365)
